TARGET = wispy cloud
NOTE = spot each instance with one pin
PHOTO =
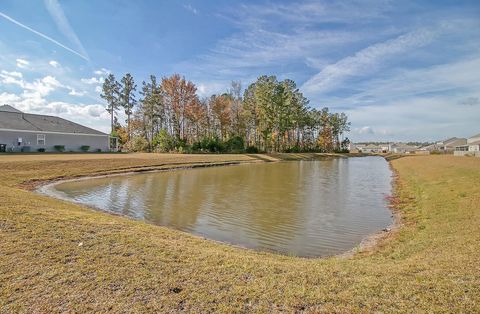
(365, 60)
(102, 71)
(43, 36)
(92, 80)
(56, 12)
(54, 63)
(190, 8)
(268, 36)
(22, 63)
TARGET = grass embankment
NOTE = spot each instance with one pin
(56, 256)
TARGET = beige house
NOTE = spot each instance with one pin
(446, 146)
(470, 148)
(25, 132)
(400, 148)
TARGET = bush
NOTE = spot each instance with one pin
(98, 150)
(208, 144)
(252, 150)
(59, 148)
(137, 144)
(41, 150)
(163, 142)
(235, 144)
(84, 148)
(294, 149)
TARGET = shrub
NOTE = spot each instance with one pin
(98, 150)
(59, 148)
(293, 149)
(163, 142)
(213, 145)
(41, 150)
(252, 150)
(235, 144)
(208, 144)
(84, 148)
(137, 144)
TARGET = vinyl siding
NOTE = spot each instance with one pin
(72, 142)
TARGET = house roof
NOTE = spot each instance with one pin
(478, 135)
(8, 108)
(454, 141)
(404, 146)
(11, 118)
(474, 143)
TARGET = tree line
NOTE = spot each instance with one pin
(268, 116)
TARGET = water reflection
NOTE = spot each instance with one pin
(307, 208)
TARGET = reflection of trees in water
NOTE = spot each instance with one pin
(297, 207)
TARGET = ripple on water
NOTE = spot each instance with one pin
(307, 208)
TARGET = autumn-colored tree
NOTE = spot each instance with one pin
(272, 115)
(178, 95)
(221, 107)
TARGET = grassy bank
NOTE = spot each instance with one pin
(55, 256)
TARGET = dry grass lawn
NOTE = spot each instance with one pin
(60, 257)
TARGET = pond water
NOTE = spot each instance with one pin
(302, 208)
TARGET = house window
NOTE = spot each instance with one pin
(41, 139)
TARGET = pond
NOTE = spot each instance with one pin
(303, 208)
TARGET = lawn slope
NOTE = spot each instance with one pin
(56, 256)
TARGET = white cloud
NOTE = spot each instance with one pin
(421, 104)
(56, 12)
(13, 74)
(11, 78)
(102, 71)
(41, 87)
(73, 92)
(205, 89)
(190, 8)
(22, 63)
(54, 63)
(364, 130)
(6, 98)
(92, 80)
(98, 89)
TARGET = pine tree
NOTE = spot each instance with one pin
(111, 94)
(127, 98)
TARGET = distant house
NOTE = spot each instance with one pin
(471, 147)
(371, 148)
(23, 132)
(400, 148)
(385, 148)
(352, 148)
(448, 145)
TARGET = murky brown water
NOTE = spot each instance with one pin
(305, 208)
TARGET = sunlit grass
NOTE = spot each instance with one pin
(56, 256)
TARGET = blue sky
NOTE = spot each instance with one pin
(401, 70)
